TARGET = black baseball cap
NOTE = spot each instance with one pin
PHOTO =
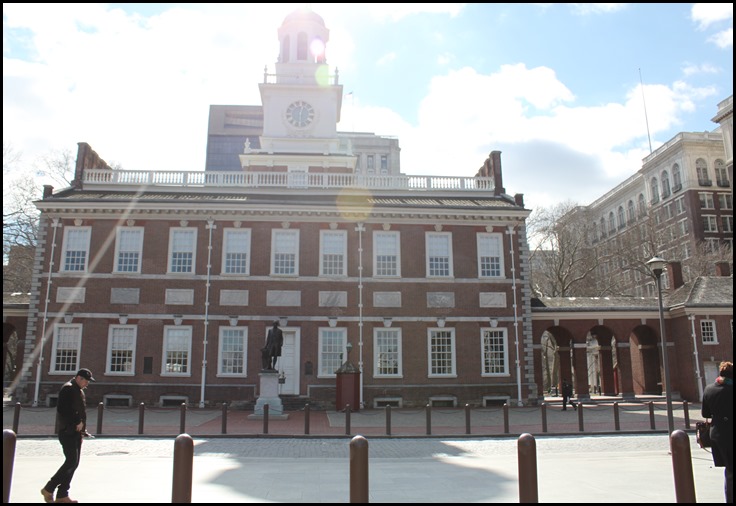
(86, 374)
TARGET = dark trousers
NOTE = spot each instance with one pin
(565, 400)
(72, 446)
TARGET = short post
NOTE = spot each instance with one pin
(141, 411)
(359, 469)
(347, 419)
(652, 425)
(9, 440)
(224, 417)
(527, 457)
(265, 418)
(100, 411)
(429, 419)
(682, 466)
(16, 417)
(506, 418)
(686, 410)
(388, 419)
(182, 417)
(581, 426)
(306, 418)
(544, 417)
(181, 489)
(467, 418)
(616, 420)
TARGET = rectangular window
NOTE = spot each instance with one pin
(182, 249)
(727, 223)
(121, 342)
(490, 260)
(680, 205)
(333, 251)
(386, 254)
(439, 254)
(284, 252)
(232, 353)
(725, 201)
(128, 249)
(384, 164)
(683, 227)
(177, 350)
(708, 331)
(441, 352)
(706, 201)
(67, 343)
(371, 163)
(332, 351)
(709, 224)
(387, 349)
(236, 251)
(76, 249)
(494, 350)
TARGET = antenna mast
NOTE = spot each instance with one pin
(645, 111)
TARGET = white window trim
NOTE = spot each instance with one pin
(225, 242)
(505, 337)
(319, 348)
(117, 249)
(67, 230)
(220, 373)
(399, 356)
(172, 232)
(427, 238)
(294, 232)
(108, 366)
(344, 236)
(453, 374)
(189, 352)
(502, 267)
(397, 234)
(715, 333)
(52, 361)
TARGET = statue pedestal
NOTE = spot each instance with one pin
(269, 394)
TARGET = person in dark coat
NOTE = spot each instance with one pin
(274, 342)
(567, 396)
(718, 406)
(71, 426)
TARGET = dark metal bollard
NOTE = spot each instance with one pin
(467, 418)
(527, 456)
(181, 488)
(506, 418)
(682, 465)
(616, 420)
(429, 419)
(652, 425)
(265, 418)
(8, 462)
(581, 425)
(359, 469)
(544, 417)
(100, 411)
(686, 409)
(182, 418)
(347, 419)
(141, 411)
(388, 420)
(224, 417)
(16, 417)
(306, 418)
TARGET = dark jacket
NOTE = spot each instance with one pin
(718, 405)
(71, 408)
(274, 341)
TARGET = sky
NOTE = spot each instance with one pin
(557, 88)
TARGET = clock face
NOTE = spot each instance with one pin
(300, 114)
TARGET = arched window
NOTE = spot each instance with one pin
(654, 190)
(631, 213)
(621, 218)
(701, 167)
(642, 206)
(603, 227)
(611, 223)
(665, 184)
(595, 231)
(285, 49)
(302, 48)
(676, 178)
(721, 173)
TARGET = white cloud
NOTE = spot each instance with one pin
(708, 14)
(587, 9)
(723, 39)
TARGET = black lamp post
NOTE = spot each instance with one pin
(657, 265)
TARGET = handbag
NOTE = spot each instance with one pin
(702, 434)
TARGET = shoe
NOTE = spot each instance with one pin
(65, 499)
(575, 407)
(564, 409)
(47, 496)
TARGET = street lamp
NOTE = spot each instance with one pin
(657, 264)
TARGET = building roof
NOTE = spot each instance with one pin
(558, 304)
(704, 291)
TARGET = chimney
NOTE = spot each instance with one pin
(498, 188)
(674, 272)
(723, 269)
(48, 190)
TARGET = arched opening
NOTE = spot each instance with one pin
(645, 362)
(550, 364)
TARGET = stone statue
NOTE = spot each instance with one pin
(272, 351)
